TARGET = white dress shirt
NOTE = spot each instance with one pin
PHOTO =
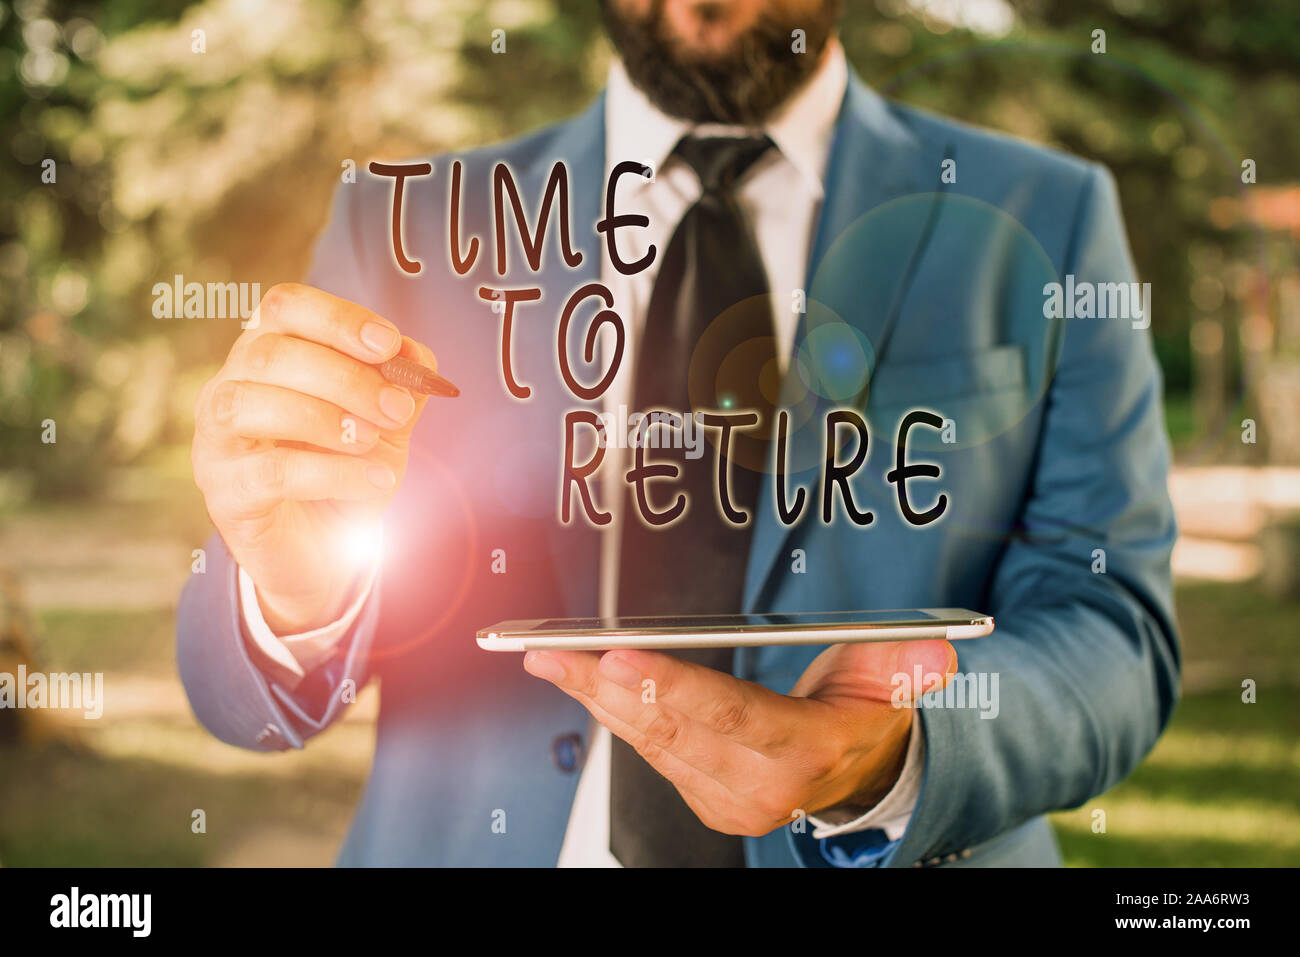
(781, 197)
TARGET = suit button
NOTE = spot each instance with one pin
(966, 853)
(269, 733)
(567, 752)
(934, 861)
(951, 858)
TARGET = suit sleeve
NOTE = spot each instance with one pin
(232, 693)
(1088, 659)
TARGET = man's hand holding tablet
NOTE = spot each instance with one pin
(744, 758)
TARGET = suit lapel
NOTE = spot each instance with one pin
(879, 205)
(580, 143)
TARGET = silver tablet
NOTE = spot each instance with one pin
(710, 631)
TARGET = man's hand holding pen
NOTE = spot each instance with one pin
(301, 436)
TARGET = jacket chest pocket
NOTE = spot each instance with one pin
(983, 392)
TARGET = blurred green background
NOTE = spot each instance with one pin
(219, 164)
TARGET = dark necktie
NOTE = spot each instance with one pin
(707, 344)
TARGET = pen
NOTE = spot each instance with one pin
(411, 375)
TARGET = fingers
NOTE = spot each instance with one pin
(301, 412)
(419, 352)
(313, 344)
(316, 370)
(251, 410)
(305, 313)
(769, 754)
(746, 713)
(668, 745)
(658, 726)
(870, 671)
(676, 752)
(250, 483)
(934, 660)
(706, 796)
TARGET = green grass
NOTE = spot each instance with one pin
(1180, 419)
(1236, 623)
(1222, 787)
(61, 808)
(114, 641)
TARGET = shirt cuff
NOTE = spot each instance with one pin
(894, 811)
(295, 655)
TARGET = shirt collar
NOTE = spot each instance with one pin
(802, 128)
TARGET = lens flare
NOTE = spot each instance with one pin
(362, 544)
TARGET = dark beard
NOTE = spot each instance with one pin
(742, 87)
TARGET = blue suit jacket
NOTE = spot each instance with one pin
(1060, 457)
